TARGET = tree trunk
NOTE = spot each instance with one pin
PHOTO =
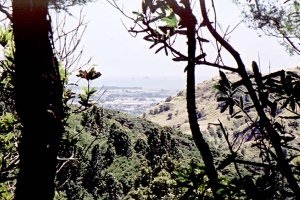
(38, 100)
(191, 108)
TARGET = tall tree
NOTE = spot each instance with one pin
(38, 99)
(165, 13)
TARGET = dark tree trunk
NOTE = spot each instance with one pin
(191, 108)
(197, 135)
(38, 100)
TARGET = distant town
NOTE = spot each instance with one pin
(132, 100)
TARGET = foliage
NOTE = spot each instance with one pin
(120, 140)
(105, 166)
(9, 125)
(90, 75)
(268, 97)
(105, 154)
(275, 18)
(272, 90)
(7, 70)
(64, 5)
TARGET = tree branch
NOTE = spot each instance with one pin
(5, 12)
(200, 62)
(283, 164)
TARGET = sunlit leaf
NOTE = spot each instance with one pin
(171, 20)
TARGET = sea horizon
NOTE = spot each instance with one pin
(167, 83)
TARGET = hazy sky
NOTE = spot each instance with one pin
(121, 57)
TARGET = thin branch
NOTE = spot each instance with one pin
(233, 153)
(6, 12)
(200, 62)
(246, 162)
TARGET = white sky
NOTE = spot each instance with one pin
(117, 54)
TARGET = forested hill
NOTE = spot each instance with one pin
(120, 156)
(154, 157)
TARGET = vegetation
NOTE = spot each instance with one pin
(177, 19)
(53, 149)
(275, 19)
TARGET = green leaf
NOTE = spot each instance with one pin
(7, 122)
(137, 13)
(171, 20)
(83, 97)
(221, 191)
(85, 89)
(93, 90)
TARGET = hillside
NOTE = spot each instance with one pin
(113, 150)
(172, 112)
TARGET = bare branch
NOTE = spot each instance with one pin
(6, 12)
(200, 62)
